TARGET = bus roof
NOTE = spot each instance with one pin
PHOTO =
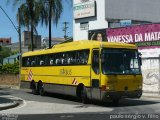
(78, 45)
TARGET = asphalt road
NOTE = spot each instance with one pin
(60, 107)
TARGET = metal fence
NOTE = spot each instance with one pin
(151, 74)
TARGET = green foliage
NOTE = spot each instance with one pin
(14, 52)
(10, 68)
(5, 52)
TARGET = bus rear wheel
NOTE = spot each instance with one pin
(33, 87)
(42, 92)
(40, 88)
(115, 102)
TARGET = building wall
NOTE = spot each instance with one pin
(26, 38)
(97, 22)
(142, 10)
(45, 41)
(5, 41)
(109, 13)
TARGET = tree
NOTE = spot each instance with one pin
(30, 14)
(34, 11)
(5, 52)
(54, 10)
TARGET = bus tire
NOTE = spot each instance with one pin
(84, 96)
(40, 88)
(115, 102)
(33, 87)
(42, 92)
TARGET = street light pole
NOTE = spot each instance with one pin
(9, 18)
(19, 33)
(20, 44)
(65, 30)
(50, 20)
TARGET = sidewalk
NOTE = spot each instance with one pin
(152, 95)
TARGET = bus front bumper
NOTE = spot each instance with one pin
(121, 94)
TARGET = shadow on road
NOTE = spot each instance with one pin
(60, 96)
(64, 97)
(122, 102)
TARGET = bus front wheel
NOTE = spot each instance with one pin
(40, 88)
(84, 96)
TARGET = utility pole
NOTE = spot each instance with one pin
(20, 45)
(19, 34)
(50, 24)
(65, 30)
(18, 31)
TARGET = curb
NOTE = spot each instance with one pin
(16, 102)
(151, 95)
(8, 87)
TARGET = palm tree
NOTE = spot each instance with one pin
(54, 9)
(34, 11)
(30, 12)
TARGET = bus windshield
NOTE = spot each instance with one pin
(120, 61)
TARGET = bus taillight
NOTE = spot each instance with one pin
(103, 87)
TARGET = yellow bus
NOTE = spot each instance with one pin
(90, 70)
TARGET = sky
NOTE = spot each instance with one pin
(7, 29)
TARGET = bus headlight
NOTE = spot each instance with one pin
(110, 87)
(140, 87)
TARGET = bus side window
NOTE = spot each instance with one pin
(95, 61)
(51, 62)
(51, 59)
(84, 56)
(73, 57)
(58, 59)
(28, 61)
(41, 62)
(33, 63)
(24, 62)
(77, 57)
(46, 60)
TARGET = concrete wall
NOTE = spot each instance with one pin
(151, 74)
(98, 22)
(9, 80)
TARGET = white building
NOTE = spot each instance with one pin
(88, 15)
(109, 18)
(45, 41)
(92, 17)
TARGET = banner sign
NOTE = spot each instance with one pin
(98, 35)
(142, 35)
(85, 9)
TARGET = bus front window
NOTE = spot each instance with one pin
(120, 61)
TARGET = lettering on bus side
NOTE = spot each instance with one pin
(65, 71)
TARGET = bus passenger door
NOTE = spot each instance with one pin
(95, 75)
